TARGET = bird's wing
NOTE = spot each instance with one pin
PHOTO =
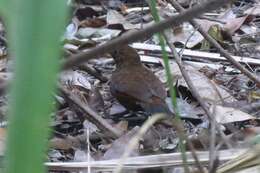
(155, 85)
(140, 87)
(136, 90)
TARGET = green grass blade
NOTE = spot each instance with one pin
(152, 5)
(34, 29)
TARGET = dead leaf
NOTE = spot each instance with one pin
(185, 109)
(86, 12)
(151, 139)
(232, 25)
(207, 89)
(66, 143)
(90, 126)
(97, 34)
(71, 29)
(75, 77)
(122, 125)
(113, 17)
(188, 33)
(82, 156)
(93, 23)
(255, 10)
(60, 143)
(116, 109)
(225, 115)
(214, 32)
(119, 146)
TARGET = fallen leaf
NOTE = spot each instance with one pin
(119, 146)
(86, 12)
(93, 23)
(82, 156)
(113, 17)
(97, 34)
(76, 78)
(232, 25)
(255, 10)
(189, 33)
(207, 88)
(225, 115)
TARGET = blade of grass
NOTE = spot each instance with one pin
(152, 5)
(34, 28)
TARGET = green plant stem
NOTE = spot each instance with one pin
(162, 43)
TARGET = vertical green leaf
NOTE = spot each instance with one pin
(156, 17)
(34, 29)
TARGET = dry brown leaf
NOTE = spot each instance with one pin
(225, 115)
(119, 146)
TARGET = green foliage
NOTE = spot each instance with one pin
(215, 32)
(165, 55)
(34, 29)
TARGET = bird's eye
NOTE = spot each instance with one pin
(115, 53)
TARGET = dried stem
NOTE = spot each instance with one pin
(214, 43)
(193, 88)
(91, 115)
(133, 36)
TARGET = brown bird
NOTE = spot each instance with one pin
(134, 85)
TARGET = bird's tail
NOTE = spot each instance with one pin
(158, 106)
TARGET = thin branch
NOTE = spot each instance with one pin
(133, 36)
(193, 89)
(135, 140)
(212, 152)
(93, 72)
(214, 43)
(212, 19)
(140, 162)
(179, 127)
(91, 115)
(152, 5)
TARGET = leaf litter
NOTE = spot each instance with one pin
(232, 96)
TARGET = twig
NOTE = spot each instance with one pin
(177, 123)
(180, 131)
(247, 159)
(212, 152)
(192, 55)
(152, 5)
(218, 46)
(91, 115)
(132, 36)
(193, 89)
(93, 72)
(140, 162)
(211, 19)
(135, 140)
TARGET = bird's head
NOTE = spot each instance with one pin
(125, 55)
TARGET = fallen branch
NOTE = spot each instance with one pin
(151, 161)
(193, 88)
(197, 55)
(91, 115)
(214, 43)
(133, 36)
(93, 72)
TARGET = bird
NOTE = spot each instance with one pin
(135, 86)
